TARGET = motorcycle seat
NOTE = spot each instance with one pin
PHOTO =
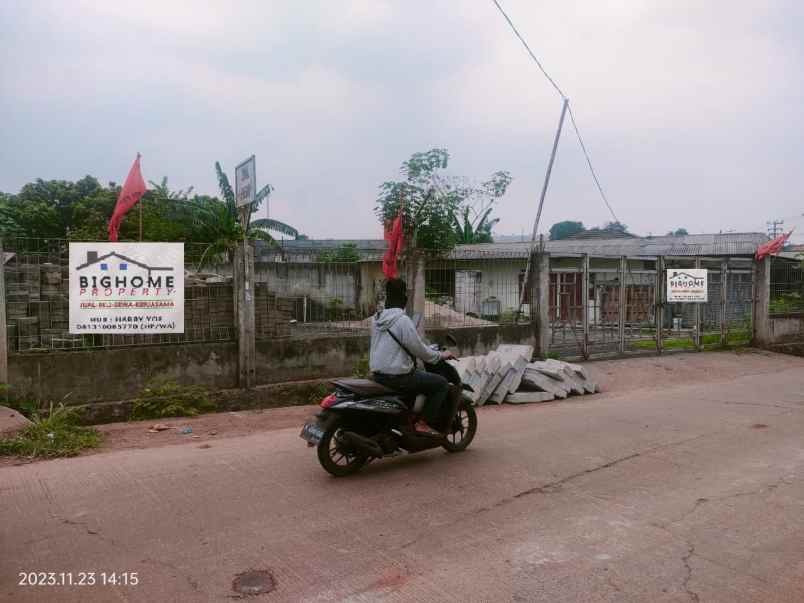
(363, 387)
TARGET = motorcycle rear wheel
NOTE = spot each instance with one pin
(333, 458)
(464, 427)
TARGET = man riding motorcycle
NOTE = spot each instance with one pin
(395, 345)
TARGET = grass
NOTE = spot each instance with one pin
(736, 339)
(790, 303)
(168, 399)
(58, 434)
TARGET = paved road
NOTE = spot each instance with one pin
(694, 493)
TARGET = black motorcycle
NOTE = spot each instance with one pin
(363, 420)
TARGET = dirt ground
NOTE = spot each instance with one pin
(684, 481)
(614, 377)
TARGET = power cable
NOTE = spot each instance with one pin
(563, 97)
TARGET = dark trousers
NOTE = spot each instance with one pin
(435, 387)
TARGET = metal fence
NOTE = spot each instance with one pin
(603, 305)
(595, 305)
(787, 287)
(37, 300)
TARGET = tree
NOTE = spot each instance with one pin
(567, 228)
(162, 190)
(434, 204)
(44, 208)
(618, 227)
(678, 232)
(217, 222)
(478, 230)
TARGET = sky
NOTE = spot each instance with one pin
(691, 111)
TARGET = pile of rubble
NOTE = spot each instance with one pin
(508, 375)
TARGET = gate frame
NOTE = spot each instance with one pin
(660, 304)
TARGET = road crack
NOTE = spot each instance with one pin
(686, 584)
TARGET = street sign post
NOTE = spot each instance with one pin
(246, 182)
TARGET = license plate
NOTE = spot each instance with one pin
(312, 432)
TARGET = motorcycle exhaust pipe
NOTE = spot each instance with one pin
(362, 444)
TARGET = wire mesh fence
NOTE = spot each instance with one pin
(37, 300)
(595, 305)
(787, 287)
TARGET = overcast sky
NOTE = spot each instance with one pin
(692, 111)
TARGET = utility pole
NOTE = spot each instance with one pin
(529, 267)
(775, 228)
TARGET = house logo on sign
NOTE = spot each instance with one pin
(115, 272)
(685, 280)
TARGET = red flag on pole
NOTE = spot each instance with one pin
(773, 247)
(395, 235)
(133, 189)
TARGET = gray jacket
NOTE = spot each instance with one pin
(386, 356)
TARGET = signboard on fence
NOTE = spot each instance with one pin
(126, 288)
(687, 285)
(246, 182)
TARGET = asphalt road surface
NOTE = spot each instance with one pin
(690, 492)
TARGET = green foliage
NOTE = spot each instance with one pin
(435, 207)
(168, 399)
(58, 434)
(346, 253)
(361, 369)
(335, 309)
(567, 228)
(678, 232)
(81, 211)
(318, 393)
(786, 303)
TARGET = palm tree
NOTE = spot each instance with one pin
(218, 222)
(478, 230)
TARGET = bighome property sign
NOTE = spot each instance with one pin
(126, 288)
(687, 285)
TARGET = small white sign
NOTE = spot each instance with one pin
(126, 288)
(246, 182)
(687, 285)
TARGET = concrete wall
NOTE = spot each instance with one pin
(784, 329)
(79, 377)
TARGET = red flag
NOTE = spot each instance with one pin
(773, 247)
(394, 234)
(133, 189)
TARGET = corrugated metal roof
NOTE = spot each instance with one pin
(688, 245)
(729, 244)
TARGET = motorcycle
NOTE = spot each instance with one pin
(362, 421)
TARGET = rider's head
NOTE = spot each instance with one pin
(396, 293)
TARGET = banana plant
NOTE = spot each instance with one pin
(219, 222)
(469, 231)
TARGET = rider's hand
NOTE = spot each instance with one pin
(447, 355)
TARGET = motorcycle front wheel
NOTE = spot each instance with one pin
(464, 427)
(333, 456)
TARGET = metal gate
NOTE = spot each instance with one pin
(601, 306)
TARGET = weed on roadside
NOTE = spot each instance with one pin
(169, 399)
(57, 434)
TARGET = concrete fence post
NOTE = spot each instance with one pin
(3, 334)
(660, 300)
(244, 314)
(762, 294)
(585, 305)
(540, 302)
(724, 292)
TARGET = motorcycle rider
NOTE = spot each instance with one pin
(395, 345)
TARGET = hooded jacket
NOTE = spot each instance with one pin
(386, 355)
